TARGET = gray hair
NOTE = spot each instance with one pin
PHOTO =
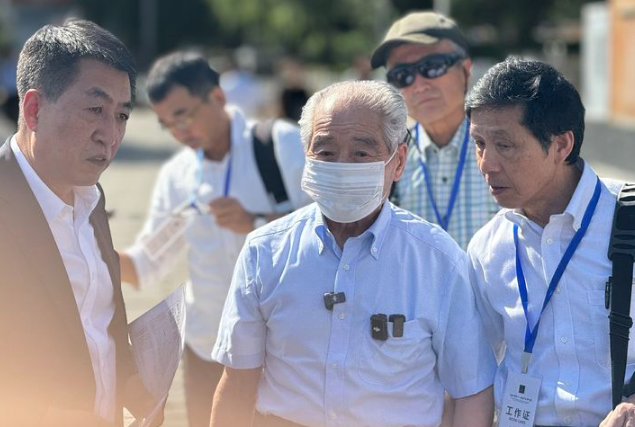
(379, 97)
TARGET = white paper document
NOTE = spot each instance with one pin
(157, 339)
(167, 240)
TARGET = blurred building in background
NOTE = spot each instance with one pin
(608, 61)
(622, 60)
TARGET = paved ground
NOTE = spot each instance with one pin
(129, 180)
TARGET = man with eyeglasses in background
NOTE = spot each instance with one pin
(428, 60)
(217, 173)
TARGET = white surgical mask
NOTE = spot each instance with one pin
(345, 192)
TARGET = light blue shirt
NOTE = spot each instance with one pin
(323, 368)
(571, 353)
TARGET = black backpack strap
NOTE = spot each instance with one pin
(266, 161)
(622, 254)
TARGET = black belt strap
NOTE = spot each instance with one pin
(618, 290)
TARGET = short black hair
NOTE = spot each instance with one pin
(551, 105)
(49, 60)
(188, 69)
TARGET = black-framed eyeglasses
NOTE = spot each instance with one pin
(430, 67)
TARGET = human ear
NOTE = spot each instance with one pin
(402, 151)
(31, 104)
(466, 64)
(218, 95)
(563, 145)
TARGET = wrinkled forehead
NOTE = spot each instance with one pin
(344, 122)
(339, 111)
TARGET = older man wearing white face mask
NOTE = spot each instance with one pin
(351, 312)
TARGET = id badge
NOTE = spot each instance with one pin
(520, 400)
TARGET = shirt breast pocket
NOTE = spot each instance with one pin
(599, 316)
(395, 360)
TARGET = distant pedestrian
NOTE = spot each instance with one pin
(215, 181)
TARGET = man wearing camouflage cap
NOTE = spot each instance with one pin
(427, 59)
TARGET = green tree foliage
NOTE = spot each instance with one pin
(331, 31)
(325, 31)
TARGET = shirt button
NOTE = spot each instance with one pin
(341, 316)
(333, 415)
(549, 241)
(334, 366)
(374, 249)
(558, 290)
(346, 267)
(564, 340)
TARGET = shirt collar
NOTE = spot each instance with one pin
(86, 198)
(582, 195)
(378, 230)
(578, 203)
(456, 141)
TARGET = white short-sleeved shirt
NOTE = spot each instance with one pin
(213, 250)
(323, 368)
(571, 352)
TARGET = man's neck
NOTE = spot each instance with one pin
(221, 141)
(556, 203)
(218, 151)
(441, 132)
(342, 232)
(65, 193)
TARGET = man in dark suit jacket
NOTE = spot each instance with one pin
(65, 357)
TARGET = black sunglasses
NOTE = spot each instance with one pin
(430, 67)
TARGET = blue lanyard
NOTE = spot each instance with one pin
(228, 176)
(200, 154)
(530, 335)
(444, 221)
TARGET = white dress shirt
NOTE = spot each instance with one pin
(322, 367)
(213, 250)
(88, 275)
(571, 352)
